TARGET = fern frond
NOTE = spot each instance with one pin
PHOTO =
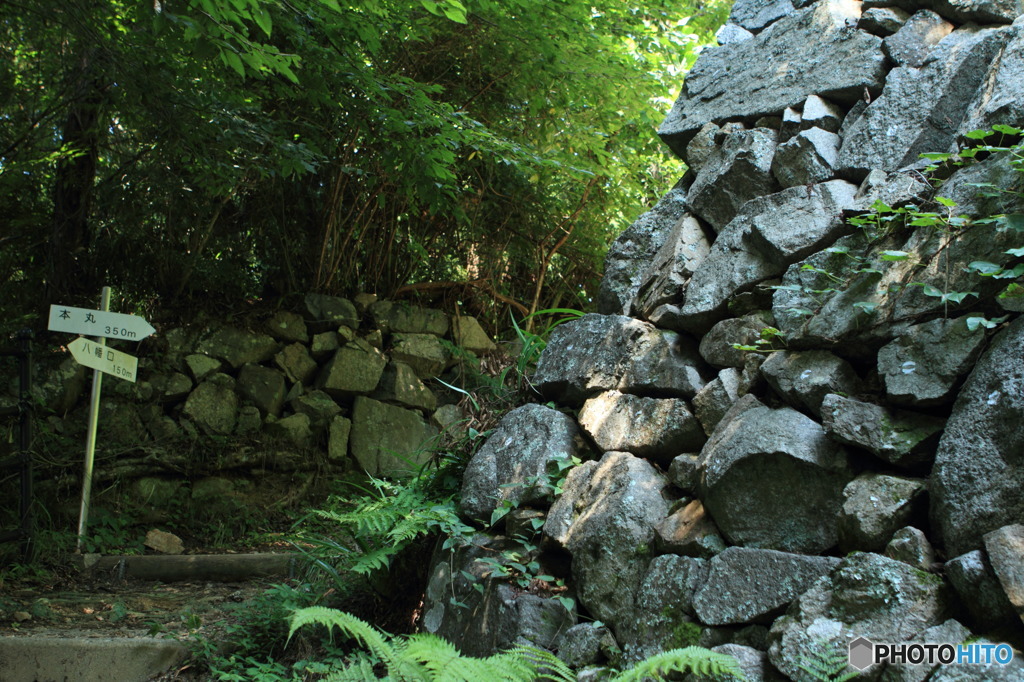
(549, 666)
(358, 668)
(375, 641)
(692, 659)
(827, 663)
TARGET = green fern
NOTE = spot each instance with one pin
(826, 663)
(426, 657)
(692, 659)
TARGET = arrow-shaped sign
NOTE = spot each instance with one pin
(64, 318)
(108, 360)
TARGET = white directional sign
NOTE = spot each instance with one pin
(64, 318)
(108, 360)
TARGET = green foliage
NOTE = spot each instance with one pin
(428, 657)
(769, 340)
(828, 662)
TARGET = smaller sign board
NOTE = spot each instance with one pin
(65, 318)
(103, 359)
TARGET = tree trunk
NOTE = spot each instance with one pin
(72, 260)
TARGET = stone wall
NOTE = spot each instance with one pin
(330, 386)
(799, 431)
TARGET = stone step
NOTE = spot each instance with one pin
(41, 658)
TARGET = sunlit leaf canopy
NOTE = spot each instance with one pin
(196, 151)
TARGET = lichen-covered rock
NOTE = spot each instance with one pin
(238, 347)
(423, 352)
(631, 252)
(875, 506)
(754, 15)
(807, 158)
(899, 437)
(263, 387)
(586, 644)
(912, 43)
(653, 428)
(773, 480)
(288, 327)
(972, 577)
(294, 428)
(684, 472)
(355, 369)
(510, 468)
(1005, 548)
(387, 440)
(324, 344)
(469, 335)
(911, 546)
(399, 385)
(337, 439)
(297, 364)
(925, 365)
(325, 313)
(737, 171)
(398, 316)
(951, 631)
(598, 353)
(689, 531)
(1002, 97)
(804, 378)
(318, 406)
(753, 585)
(664, 607)
(202, 366)
(715, 399)
(882, 21)
(766, 236)
(979, 471)
(212, 405)
(717, 346)
(753, 662)
(824, 57)
(663, 286)
(483, 622)
(866, 595)
(606, 518)
(895, 127)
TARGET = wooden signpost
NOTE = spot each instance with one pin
(94, 354)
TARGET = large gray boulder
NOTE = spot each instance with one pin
(913, 42)
(213, 405)
(807, 158)
(804, 378)
(908, 119)
(768, 234)
(511, 467)
(263, 387)
(823, 57)
(866, 595)
(899, 437)
(1005, 548)
(238, 347)
(387, 440)
(664, 606)
(629, 255)
(754, 15)
(718, 395)
(399, 385)
(482, 615)
(424, 353)
(597, 353)
(354, 369)
(606, 518)
(773, 480)
(324, 312)
(663, 286)
(754, 585)
(398, 316)
(297, 364)
(653, 428)
(1001, 100)
(875, 506)
(288, 327)
(979, 465)
(975, 582)
(737, 170)
(689, 531)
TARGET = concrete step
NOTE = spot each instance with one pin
(42, 658)
(173, 568)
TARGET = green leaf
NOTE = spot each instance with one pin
(979, 134)
(263, 20)
(866, 306)
(1006, 130)
(895, 255)
(949, 203)
(1018, 252)
(984, 268)
(234, 61)
(976, 321)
